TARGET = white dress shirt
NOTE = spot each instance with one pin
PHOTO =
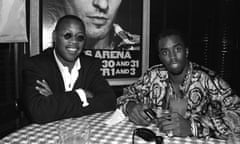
(70, 77)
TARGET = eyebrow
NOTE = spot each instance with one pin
(67, 31)
(178, 44)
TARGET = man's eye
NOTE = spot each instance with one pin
(80, 38)
(67, 36)
(164, 52)
(179, 48)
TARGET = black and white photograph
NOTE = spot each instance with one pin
(119, 72)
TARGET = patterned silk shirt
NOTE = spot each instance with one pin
(212, 106)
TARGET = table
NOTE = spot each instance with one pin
(101, 133)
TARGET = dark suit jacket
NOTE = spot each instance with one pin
(63, 104)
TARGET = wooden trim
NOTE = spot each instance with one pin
(34, 27)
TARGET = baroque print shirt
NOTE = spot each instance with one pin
(212, 106)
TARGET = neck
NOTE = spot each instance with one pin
(67, 63)
(70, 66)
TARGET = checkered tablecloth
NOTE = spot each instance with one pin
(101, 133)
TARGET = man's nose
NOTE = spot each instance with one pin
(74, 39)
(172, 55)
(102, 5)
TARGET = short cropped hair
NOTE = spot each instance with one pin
(170, 32)
(69, 17)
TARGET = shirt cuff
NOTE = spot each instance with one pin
(82, 96)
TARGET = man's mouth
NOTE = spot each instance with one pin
(174, 64)
(98, 20)
(72, 50)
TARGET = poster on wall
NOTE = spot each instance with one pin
(12, 21)
(114, 31)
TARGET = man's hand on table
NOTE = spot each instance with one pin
(136, 113)
(175, 123)
(43, 88)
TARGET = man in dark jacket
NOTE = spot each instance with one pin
(61, 82)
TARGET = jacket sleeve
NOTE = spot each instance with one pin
(221, 114)
(104, 98)
(42, 109)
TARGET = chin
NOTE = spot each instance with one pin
(97, 33)
(97, 36)
(176, 71)
(72, 59)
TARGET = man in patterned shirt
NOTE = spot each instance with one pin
(201, 103)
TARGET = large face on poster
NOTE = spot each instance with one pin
(113, 29)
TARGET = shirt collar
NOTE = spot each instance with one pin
(76, 66)
(187, 79)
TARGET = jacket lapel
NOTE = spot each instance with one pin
(56, 74)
